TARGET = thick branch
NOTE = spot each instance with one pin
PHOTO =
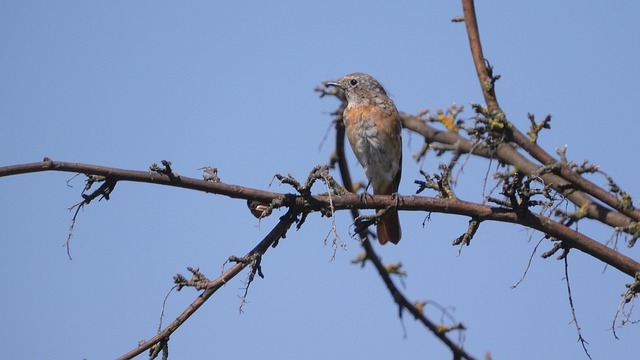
(488, 91)
(543, 224)
(116, 174)
(509, 155)
(352, 202)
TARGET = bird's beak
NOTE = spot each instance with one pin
(333, 83)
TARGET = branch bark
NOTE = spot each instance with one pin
(276, 233)
(351, 202)
(508, 155)
(577, 181)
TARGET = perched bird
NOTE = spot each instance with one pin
(258, 209)
(374, 130)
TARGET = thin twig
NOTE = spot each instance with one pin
(583, 342)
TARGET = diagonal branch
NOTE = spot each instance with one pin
(404, 303)
(470, 21)
(398, 297)
(276, 234)
(488, 91)
(508, 155)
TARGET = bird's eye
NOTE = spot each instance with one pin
(353, 82)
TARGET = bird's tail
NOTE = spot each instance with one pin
(389, 227)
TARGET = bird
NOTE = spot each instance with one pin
(258, 208)
(374, 130)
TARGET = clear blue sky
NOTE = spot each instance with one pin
(230, 85)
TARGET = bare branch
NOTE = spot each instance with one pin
(369, 252)
(278, 232)
(488, 90)
(353, 202)
(583, 342)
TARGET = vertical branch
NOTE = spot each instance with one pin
(486, 79)
(345, 175)
(486, 83)
(583, 342)
(398, 297)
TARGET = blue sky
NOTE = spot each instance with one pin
(230, 85)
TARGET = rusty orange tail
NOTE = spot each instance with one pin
(389, 227)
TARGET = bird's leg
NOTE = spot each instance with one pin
(396, 196)
(363, 196)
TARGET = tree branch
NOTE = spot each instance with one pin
(508, 155)
(404, 303)
(488, 91)
(352, 202)
(370, 254)
(211, 287)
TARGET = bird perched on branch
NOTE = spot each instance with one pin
(374, 130)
